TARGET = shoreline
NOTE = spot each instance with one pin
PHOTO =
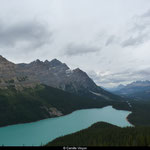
(129, 121)
(50, 117)
(63, 116)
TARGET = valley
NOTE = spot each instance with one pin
(25, 97)
(74, 73)
(138, 99)
(50, 89)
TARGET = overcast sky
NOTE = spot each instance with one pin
(109, 39)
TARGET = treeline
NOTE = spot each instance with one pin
(104, 134)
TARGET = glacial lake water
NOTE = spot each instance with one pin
(41, 132)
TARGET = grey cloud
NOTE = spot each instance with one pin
(73, 49)
(31, 34)
(144, 73)
(134, 41)
(139, 32)
(147, 14)
(110, 40)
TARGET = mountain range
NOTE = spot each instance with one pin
(38, 90)
(138, 90)
(51, 73)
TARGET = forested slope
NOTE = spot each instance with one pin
(40, 102)
(105, 134)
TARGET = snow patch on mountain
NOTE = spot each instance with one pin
(101, 95)
(69, 72)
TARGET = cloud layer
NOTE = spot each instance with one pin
(111, 38)
(80, 49)
(140, 30)
(125, 77)
(30, 34)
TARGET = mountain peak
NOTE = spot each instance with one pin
(46, 61)
(55, 62)
(5, 61)
(36, 62)
(2, 58)
(79, 71)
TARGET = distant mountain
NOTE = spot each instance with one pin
(139, 90)
(119, 87)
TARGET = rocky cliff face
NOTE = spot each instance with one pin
(12, 76)
(59, 75)
(7, 69)
(52, 73)
(49, 73)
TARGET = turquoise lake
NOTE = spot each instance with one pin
(41, 132)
